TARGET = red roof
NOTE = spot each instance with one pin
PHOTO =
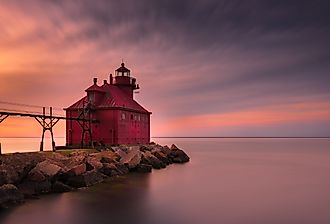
(113, 97)
(95, 88)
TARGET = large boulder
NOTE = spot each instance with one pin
(166, 150)
(143, 168)
(8, 174)
(161, 156)
(15, 167)
(75, 158)
(179, 156)
(47, 168)
(10, 196)
(132, 158)
(148, 158)
(36, 176)
(106, 154)
(77, 170)
(107, 160)
(110, 169)
(122, 168)
(86, 179)
(120, 152)
(93, 163)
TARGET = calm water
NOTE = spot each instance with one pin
(227, 181)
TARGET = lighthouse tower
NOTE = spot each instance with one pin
(124, 80)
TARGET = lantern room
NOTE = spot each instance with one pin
(124, 80)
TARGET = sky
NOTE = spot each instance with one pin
(205, 67)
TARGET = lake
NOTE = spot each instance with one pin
(227, 181)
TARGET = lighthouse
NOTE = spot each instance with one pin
(109, 114)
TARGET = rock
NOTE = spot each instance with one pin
(143, 168)
(36, 175)
(174, 147)
(75, 159)
(79, 153)
(107, 160)
(55, 156)
(120, 153)
(124, 148)
(109, 169)
(180, 157)
(84, 180)
(148, 158)
(15, 167)
(43, 187)
(132, 158)
(161, 156)
(166, 150)
(30, 188)
(77, 170)
(106, 154)
(93, 163)
(8, 175)
(122, 169)
(47, 168)
(10, 196)
(144, 148)
(59, 187)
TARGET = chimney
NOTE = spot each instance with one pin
(105, 82)
(111, 79)
(95, 81)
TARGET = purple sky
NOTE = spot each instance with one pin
(205, 67)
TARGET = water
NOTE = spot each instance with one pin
(227, 181)
(11, 145)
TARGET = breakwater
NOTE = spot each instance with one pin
(27, 175)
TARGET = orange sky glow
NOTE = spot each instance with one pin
(238, 84)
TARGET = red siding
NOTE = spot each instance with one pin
(120, 119)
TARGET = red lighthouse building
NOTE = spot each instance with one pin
(109, 114)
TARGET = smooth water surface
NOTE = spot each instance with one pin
(227, 181)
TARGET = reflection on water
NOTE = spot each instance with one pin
(227, 181)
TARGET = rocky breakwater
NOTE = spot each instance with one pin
(27, 175)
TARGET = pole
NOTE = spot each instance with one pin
(43, 129)
(51, 128)
(0, 149)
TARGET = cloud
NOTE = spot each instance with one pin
(198, 58)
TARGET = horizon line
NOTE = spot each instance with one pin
(240, 137)
(195, 137)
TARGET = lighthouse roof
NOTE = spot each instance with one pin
(122, 68)
(94, 88)
(113, 98)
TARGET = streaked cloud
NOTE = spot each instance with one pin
(223, 60)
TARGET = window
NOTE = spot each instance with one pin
(123, 116)
(131, 116)
(91, 97)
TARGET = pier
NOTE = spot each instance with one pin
(47, 120)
